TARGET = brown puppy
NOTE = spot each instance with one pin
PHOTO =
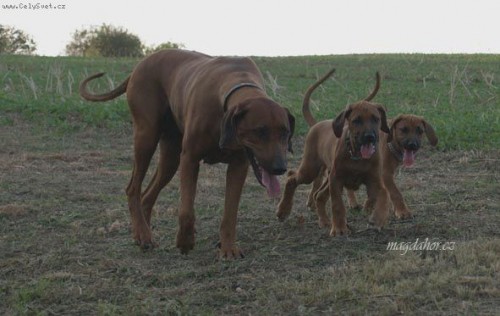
(399, 148)
(347, 147)
(198, 107)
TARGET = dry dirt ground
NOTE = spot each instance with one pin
(66, 246)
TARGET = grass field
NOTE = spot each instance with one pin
(65, 241)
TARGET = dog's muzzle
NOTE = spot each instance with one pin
(369, 138)
(410, 149)
(268, 179)
(368, 144)
(278, 166)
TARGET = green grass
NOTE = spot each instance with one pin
(457, 94)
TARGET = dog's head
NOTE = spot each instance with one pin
(407, 132)
(363, 121)
(264, 129)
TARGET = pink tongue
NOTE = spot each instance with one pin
(367, 151)
(271, 183)
(408, 158)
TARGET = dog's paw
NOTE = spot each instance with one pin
(144, 240)
(342, 230)
(146, 245)
(377, 222)
(282, 216)
(403, 214)
(282, 212)
(324, 223)
(229, 252)
(185, 241)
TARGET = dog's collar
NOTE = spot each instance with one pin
(396, 153)
(236, 87)
(349, 147)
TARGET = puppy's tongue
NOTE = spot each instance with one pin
(271, 183)
(367, 150)
(408, 158)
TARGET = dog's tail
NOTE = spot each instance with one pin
(105, 96)
(375, 90)
(305, 104)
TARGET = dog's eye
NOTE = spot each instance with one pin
(262, 132)
(420, 130)
(357, 121)
(404, 130)
(375, 119)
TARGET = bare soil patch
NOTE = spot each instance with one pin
(66, 247)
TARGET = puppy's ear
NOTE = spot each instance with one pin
(383, 119)
(395, 121)
(431, 134)
(232, 117)
(291, 124)
(338, 123)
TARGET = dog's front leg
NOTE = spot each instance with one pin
(339, 220)
(189, 168)
(400, 208)
(378, 195)
(236, 174)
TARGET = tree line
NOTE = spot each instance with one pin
(104, 40)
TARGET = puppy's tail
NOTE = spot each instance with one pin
(105, 96)
(375, 90)
(305, 104)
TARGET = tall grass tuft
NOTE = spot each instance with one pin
(272, 83)
(30, 83)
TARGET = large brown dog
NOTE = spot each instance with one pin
(198, 108)
(399, 147)
(348, 147)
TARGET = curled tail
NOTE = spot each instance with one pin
(375, 90)
(105, 96)
(306, 112)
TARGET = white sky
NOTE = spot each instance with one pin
(275, 27)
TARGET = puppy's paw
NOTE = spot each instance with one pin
(404, 214)
(342, 230)
(324, 223)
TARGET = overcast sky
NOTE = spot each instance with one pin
(274, 27)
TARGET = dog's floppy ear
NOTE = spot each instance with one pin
(291, 123)
(338, 123)
(383, 119)
(232, 117)
(393, 126)
(431, 134)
